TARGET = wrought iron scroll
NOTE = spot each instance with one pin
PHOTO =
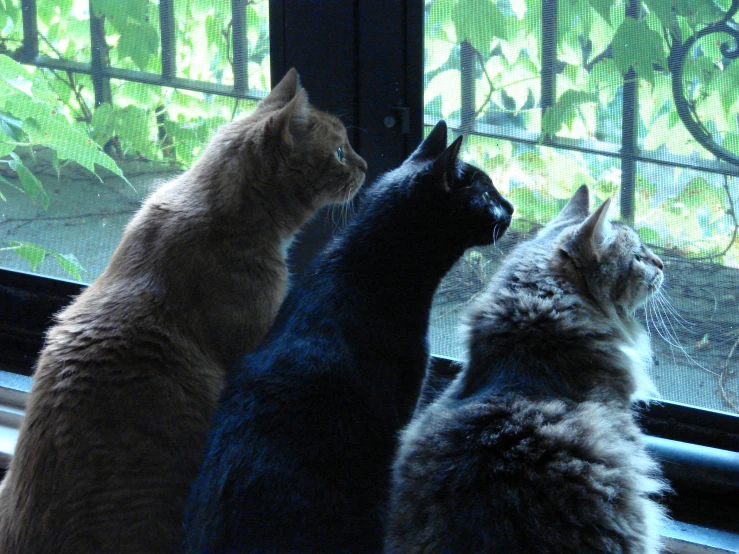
(678, 54)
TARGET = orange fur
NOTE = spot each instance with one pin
(129, 376)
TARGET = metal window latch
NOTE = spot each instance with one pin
(401, 116)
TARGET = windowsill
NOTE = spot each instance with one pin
(681, 538)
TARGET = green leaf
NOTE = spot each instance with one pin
(253, 21)
(603, 7)
(636, 45)
(212, 30)
(29, 252)
(120, 12)
(440, 13)
(140, 42)
(69, 263)
(447, 85)
(15, 75)
(35, 254)
(479, 22)
(6, 149)
(564, 111)
(29, 182)
(648, 235)
(662, 9)
(11, 127)
(46, 127)
(731, 143)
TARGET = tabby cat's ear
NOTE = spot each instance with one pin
(576, 209)
(433, 145)
(595, 227)
(444, 168)
(284, 91)
(281, 125)
(583, 246)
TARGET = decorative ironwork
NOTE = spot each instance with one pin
(678, 54)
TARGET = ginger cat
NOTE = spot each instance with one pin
(130, 373)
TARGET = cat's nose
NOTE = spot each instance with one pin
(502, 205)
(656, 261)
(361, 163)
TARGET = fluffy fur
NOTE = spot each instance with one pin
(299, 456)
(534, 447)
(129, 376)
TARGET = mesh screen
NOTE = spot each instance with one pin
(487, 72)
(79, 169)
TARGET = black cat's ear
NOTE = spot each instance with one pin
(433, 145)
(444, 167)
(283, 92)
(590, 236)
(282, 124)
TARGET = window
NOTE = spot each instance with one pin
(551, 94)
(100, 105)
(556, 94)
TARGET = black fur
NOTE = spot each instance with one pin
(299, 455)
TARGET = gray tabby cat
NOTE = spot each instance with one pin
(533, 448)
(129, 376)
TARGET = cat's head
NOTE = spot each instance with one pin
(607, 258)
(297, 152)
(453, 197)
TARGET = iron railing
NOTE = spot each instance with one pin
(101, 72)
(628, 151)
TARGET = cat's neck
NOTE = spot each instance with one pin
(566, 347)
(395, 260)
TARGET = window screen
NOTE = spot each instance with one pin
(99, 107)
(638, 100)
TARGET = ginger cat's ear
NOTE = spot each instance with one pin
(445, 166)
(283, 92)
(282, 124)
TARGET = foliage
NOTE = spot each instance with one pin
(45, 109)
(597, 44)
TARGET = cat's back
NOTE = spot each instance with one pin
(501, 473)
(110, 368)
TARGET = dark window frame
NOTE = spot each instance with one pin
(363, 60)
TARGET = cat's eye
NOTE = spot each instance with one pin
(486, 197)
(637, 257)
(339, 154)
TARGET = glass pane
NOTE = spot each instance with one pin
(71, 174)
(684, 206)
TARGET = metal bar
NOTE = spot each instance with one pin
(148, 78)
(169, 44)
(711, 468)
(589, 147)
(548, 56)
(29, 50)
(240, 46)
(468, 65)
(99, 58)
(629, 131)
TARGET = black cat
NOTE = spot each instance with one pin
(299, 455)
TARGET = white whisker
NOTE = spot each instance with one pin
(664, 326)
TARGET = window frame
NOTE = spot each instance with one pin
(378, 92)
